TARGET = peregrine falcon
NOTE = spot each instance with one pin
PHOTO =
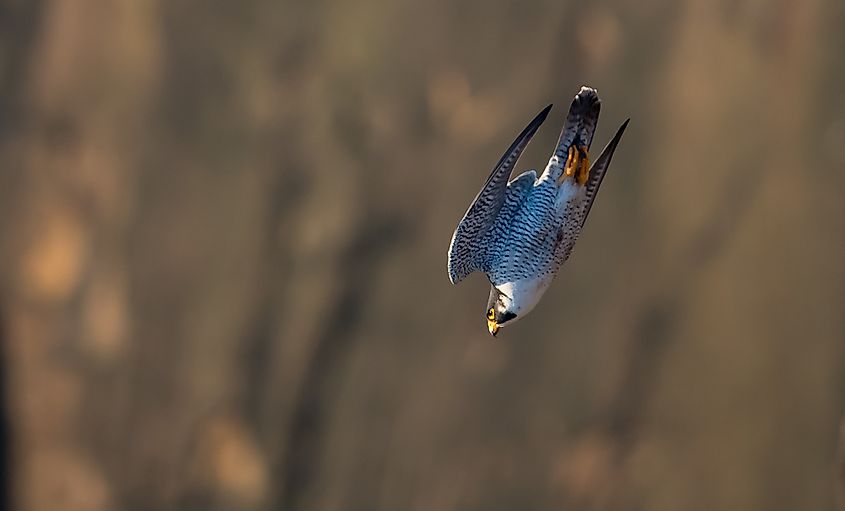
(520, 232)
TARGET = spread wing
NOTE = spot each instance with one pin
(467, 249)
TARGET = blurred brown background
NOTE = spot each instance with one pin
(224, 232)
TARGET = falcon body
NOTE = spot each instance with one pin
(520, 232)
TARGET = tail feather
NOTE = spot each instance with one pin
(580, 122)
(578, 130)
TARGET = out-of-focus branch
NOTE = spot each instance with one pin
(651, 331)
(333, 346)
(619, 424)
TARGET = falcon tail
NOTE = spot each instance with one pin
(571, 158)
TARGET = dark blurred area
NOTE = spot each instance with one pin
(224, 233)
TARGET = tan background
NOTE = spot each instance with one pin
(224, 232)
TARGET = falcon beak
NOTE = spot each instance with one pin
(492, 327)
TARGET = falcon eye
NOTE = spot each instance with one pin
(491, 315)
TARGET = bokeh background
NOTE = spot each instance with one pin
(223, 228)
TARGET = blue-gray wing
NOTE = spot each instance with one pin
(468, 250)
(515, 196)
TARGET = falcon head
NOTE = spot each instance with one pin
(500, 310)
